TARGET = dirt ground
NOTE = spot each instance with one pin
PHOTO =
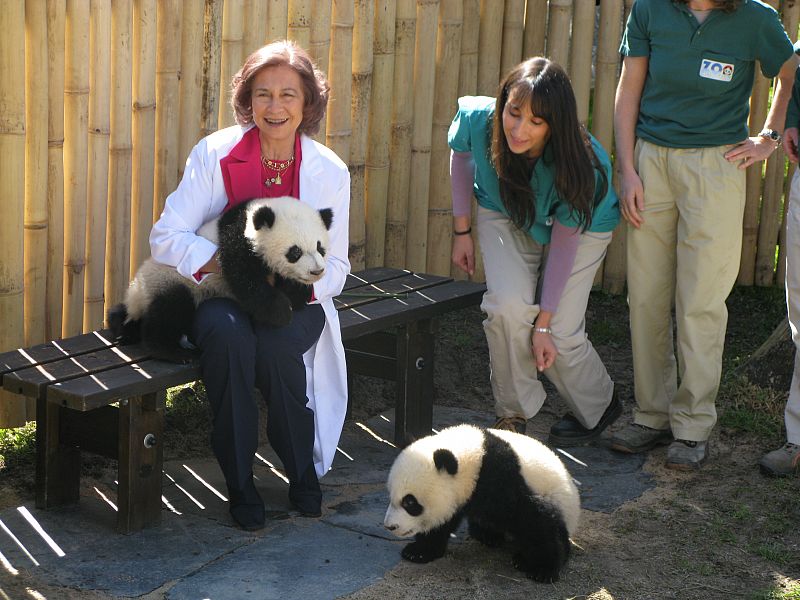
(723, 532)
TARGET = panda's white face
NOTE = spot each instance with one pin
(291, 236)
(432, 479)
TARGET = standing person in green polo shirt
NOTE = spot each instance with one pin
(540, 180)
(682, 147)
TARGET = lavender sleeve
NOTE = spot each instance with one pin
(462, 174)
(560, 261)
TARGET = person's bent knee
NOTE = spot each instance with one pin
(220, 321)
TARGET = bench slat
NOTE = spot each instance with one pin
(424, 304)
(52, 351)
(32, 381)
(373, 275)
(399, 285)
(146, 377)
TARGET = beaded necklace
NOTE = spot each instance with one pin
(278, 166)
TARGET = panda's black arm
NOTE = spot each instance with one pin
(432, 544)
(247, 275)
(299, 293)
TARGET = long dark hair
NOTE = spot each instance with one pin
(727, 6)
(547, 89)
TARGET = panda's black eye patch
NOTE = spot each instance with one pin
(293, 254)
(321, 248)
(411, 506)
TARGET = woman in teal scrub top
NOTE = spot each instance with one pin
(542, 182)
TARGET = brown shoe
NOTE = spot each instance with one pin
(515, 424)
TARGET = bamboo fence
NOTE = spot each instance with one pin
(95, 130)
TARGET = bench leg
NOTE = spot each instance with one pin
(58, 467)
(414, 406)
(141, 457)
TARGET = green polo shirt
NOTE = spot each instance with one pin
(700, 76)
(471, 130)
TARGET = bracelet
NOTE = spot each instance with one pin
(546, 330)
(465, 232)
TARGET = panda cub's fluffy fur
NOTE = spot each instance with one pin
(504, 483)
(283, 237)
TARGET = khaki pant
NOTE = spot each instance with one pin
(686, 253)
(513, 263)
(792, 412)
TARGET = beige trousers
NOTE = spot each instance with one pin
(513, 263)
(792, 412)
(686, 253)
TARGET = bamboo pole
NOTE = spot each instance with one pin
(278, 20)
(770, 219)
(76, 116)
(231, 61)
(380, 121)
(359, 117)
(424, 73)
(513, 28)
(320, 46)
(255, 26)
(468, 62)
(168, 74)
(299, 22)
(558, 28)
(758, 112)
(535, 28)
(212, 40)
(13, 411)
(791, 18)
(400, 148)
(97, 196)
(338, 132)
(144, 124)
(467, 86)
(580, 58)
(191, 80)
(120, 160)
(56, 15)
(35, 232)
(488, 48)
(608, 60)
(440, 210)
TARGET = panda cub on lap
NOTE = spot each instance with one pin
(279, 237)
(504, 483)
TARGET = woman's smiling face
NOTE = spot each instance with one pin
(525, 132)
(277, 100)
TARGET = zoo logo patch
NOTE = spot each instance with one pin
(713, 69)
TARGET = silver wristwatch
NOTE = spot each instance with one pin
(771, 134)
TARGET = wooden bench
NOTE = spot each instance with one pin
(95, 396)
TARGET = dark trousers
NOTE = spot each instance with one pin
(238, 356)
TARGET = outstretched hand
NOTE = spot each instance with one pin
(464, 253)
(631, 198)
(543, 349)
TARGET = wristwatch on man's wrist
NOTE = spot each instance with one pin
(771, 134)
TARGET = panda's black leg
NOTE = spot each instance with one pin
(431, 545)
(485, 535)
(542, 540)
(168, 318)
(125, 333)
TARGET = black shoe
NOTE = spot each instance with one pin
(247, 508)
(569, 431)
(305, 495)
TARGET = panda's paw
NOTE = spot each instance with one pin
(418, 552)
(543, 573)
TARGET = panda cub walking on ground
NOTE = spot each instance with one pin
(504, 483)
(278, 239)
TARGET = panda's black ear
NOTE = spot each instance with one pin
(263, 216)
(327, 217)
(444, 459)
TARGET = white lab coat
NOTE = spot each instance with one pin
(324, 183)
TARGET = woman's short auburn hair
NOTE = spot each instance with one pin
(724, 5)
(282, 53)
